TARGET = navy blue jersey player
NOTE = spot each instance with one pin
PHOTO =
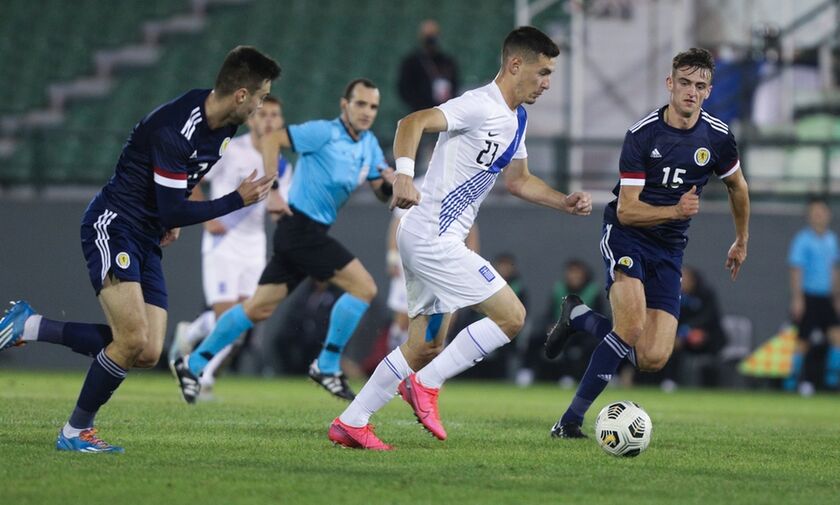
(667, 159)
(139, 211)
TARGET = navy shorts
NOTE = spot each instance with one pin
(659, 268)
(110, 245)
(302, 248)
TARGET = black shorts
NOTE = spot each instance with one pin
(303, 249)
(819, 314)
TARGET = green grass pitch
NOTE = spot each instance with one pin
(265, 441)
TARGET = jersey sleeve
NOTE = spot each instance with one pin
(310, 136)
(631, 164)
(377, 162)
(521, 151)
(463, 113)
(728, 162)
(170, 152)
(796, 255)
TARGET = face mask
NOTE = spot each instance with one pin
(430, 42)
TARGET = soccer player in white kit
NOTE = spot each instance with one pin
(233, 246)
(481, 134)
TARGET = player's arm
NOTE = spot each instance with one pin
(634, 212)
(213, 226)
(739, 204)
(523, 184)
(409, 131)
(270, 146)
(383, 187)
(175, 210)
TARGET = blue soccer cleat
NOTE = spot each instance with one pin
(87, 441)
(11, 325)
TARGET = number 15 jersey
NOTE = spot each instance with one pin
(482, 136)
(666, 162)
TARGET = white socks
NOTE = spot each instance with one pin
(468, 348)
(379, 389)
(208, 376)
(201, 327)
(31, 327)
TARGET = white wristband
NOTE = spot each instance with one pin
(405, 166)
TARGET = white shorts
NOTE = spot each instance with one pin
(227, 277)
(397, 294)
(443, 276)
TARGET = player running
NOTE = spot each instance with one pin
(139, 211)
(667, 159)
(481, 136)
(336, 157)
(233, 246)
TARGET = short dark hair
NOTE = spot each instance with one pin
(696, 57)
(272, 99)
(528, 42)
(348, 90)
(245, 67)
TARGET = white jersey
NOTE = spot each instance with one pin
(245, 227)
(482, 137)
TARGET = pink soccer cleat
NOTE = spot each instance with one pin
(356, 438)
(424, 402)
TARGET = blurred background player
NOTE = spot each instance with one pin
(667, 159)
(481, 134)
(139, 211)
(336, 157)
(233, 246)
(814, 260)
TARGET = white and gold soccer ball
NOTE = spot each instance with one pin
(623, 429)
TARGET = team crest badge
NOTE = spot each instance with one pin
(123, 260)
(226, 141)
(626, 261)
(702, 156)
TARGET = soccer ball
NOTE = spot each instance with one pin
(623, 429)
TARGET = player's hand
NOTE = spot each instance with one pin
(277, 206)
(253, 190)
(736, 257)
(388, 175)
(689, 205)
(170, 236)
(578, 203)
(215, 227)
(405, 194)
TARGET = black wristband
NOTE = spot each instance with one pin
(275, 184)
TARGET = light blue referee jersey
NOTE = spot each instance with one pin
(330, 167)
(816, 255)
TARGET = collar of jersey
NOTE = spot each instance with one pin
(347, 132)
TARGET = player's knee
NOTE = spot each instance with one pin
(630, 333)
(257, 313)
(366, 291)
(653, 362)
(513, 321)
(147, 360)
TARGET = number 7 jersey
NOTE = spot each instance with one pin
(667, 162)
(483, 135)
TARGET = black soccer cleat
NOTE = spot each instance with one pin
(335, 384)
(187, 381)
(568, 430)
(558, 337)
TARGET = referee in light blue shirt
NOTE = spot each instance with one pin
(815, 293)
(335, 158)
